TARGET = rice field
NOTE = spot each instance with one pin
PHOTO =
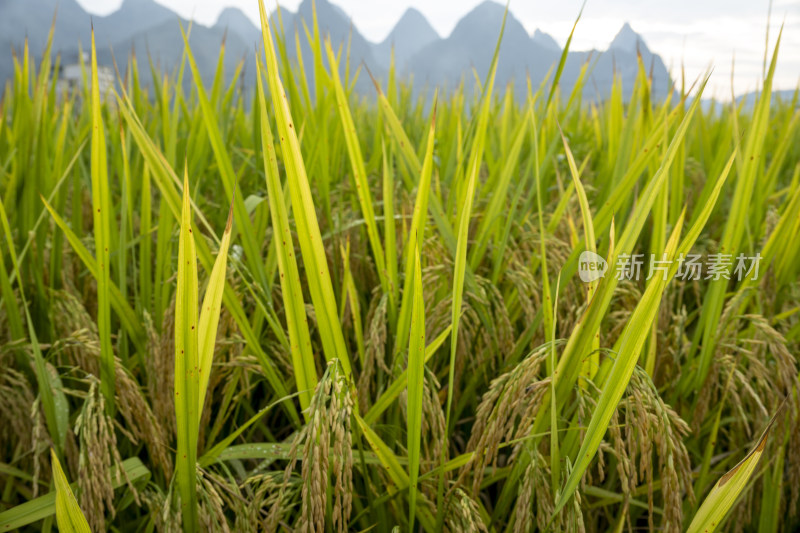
(246, 309)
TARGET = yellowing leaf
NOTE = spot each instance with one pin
(209, 313)
(724, 494)
(69, 516)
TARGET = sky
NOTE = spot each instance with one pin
(692, 35)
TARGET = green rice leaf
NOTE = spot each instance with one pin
(359, 173)
(309, 236)
(636, 332)
(44, 506)
(120, 305)
(416, 386)
(51, 393)
(101, 212)
(399, 385)
(393, 468)
(222, 157)
(305, 372)
(187, 415)
(416, 232)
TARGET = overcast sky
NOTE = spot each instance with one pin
(695, 33)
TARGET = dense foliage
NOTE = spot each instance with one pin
(394, 329)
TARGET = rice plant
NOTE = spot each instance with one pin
(463, 309)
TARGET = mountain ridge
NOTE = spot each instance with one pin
(419, 50)
(410, 34)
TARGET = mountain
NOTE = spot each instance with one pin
(234, 21)
(150, 28)
(545, 40)
(164, 44)
(623, 52)
(621, 60)
(410, 35)
(18, 22)
(74, 24)
(627, 40)
(472, 43)
(786, 96)
(132, 17)
(73, 28)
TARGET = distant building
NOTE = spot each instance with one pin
(70, 74)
